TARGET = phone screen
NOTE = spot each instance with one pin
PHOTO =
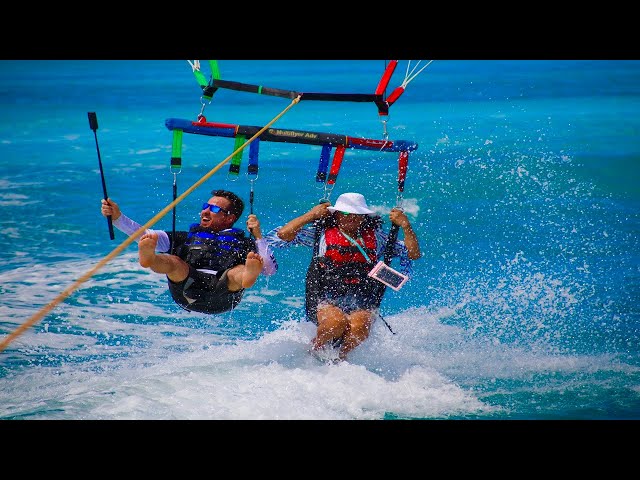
(387, 275)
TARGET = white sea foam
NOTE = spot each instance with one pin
(114, 356)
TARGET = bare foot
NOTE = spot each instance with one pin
(252, 268)
(325, 355)
(147, 249)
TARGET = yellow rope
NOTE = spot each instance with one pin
(69, 290)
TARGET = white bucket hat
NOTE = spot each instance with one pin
(351, 203)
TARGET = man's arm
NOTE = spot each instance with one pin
(270, 265)
(129, 226)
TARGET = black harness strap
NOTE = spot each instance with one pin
(176, 167)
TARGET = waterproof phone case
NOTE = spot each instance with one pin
(387, 275)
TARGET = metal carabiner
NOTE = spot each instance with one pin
(327, 191)
(385, 134)
(204, 104)
(255, 177)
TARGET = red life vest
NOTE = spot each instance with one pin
(341, 251)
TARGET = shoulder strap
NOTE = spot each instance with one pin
(356, 244)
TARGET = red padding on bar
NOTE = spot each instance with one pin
(386, 76)
(368, 142)
(335, 165)
(395, 95)
(213, 125)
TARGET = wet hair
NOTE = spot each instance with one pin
(237, 205)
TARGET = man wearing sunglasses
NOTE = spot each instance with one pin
(341, 299)
(211, 264)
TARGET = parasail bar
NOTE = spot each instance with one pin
(383, 106)
(288, 136)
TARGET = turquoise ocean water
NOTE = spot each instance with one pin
(524, 192)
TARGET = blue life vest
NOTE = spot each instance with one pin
(217, 251)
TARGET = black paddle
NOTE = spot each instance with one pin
(93, 124)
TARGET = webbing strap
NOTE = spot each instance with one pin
(173, 220)
(176, 167)
(208, 89)
(403, 165)
(335, 165)
(176, 150)
(386, 76)
(254, 148)
(234, 167)
(215, 70)
(323, 165)
(200, 78)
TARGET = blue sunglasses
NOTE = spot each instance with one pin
(215, 208)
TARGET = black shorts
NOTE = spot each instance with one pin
(205, 292)
(323, 289)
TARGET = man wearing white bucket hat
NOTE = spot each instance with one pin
(341, 298)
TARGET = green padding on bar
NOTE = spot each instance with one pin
(237, 158)
(176, 148)
(200, 78)
(176, 151)
(215, 71)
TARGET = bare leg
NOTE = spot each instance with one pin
(173, 267)
(245, 276)
(356, 332)
(332, 323)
